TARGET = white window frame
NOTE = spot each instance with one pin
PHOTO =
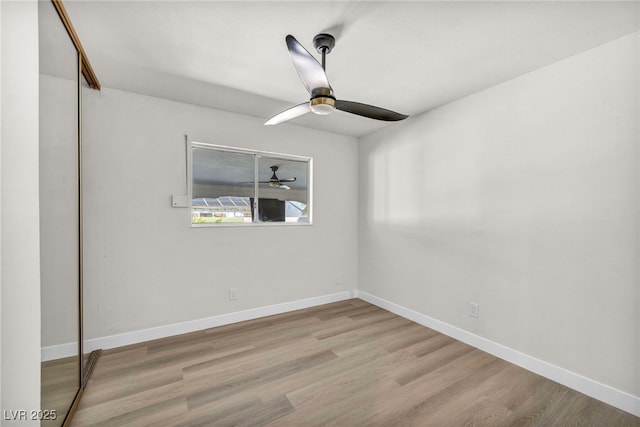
(257, 155)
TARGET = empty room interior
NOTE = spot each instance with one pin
(309, 213)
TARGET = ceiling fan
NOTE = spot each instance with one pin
(276, 182)
(314, 78)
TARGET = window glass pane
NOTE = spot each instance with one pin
(222, 186)
(283, 193)
(238, 186)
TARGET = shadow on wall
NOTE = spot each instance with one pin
(420, 182)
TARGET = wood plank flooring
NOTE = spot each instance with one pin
(343, 364)
(60, 381)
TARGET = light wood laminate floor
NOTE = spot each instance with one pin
(60, 381)
(343, 364)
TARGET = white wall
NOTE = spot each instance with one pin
(20, 271)
(522, 198)
(145, 267)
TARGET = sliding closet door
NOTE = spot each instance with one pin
(59, 218)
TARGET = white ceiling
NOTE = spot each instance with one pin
(408, 56)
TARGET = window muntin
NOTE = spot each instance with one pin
(231, 186)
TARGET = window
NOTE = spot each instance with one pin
(232, 186)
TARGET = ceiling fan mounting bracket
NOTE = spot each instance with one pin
(324, 42)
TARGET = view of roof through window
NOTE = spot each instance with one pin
(228, 209)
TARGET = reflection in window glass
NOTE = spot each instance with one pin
(242, 186)
(296, 211)
(282, 190)
(222, 186)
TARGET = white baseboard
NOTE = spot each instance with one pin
(614, 397)
(622, 400)
(60, 351)
(143, 335)
(70, 349)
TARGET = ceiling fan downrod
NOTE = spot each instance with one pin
(322, 101)
(324, 43)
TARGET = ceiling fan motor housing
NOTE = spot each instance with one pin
(274, 181)
(322, 101)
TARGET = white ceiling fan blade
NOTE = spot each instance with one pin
(308, 68)
(289, 114)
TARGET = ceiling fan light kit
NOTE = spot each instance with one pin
(314, 78)
(322, 105)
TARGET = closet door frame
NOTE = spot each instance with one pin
(84, 70)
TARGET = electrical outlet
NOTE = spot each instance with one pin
(474, 309)
(233, 294)
(339, 280)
